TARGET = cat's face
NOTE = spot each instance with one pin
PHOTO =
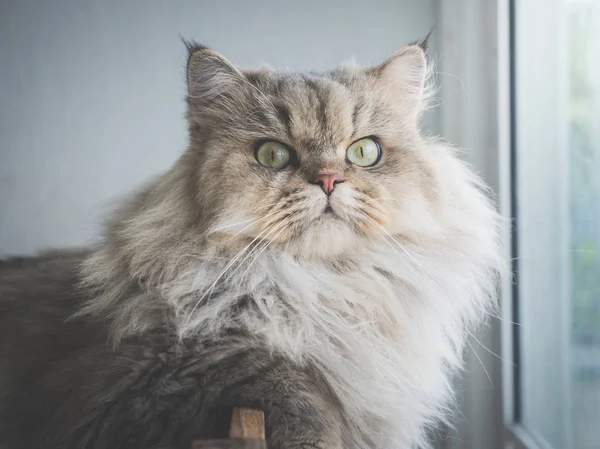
(317, 163)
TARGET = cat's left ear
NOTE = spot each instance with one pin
(403, 76)
(214, 84)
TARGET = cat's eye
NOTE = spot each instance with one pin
(364, 152)
(273, 155)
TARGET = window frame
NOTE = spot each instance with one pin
(517, 434)
(477, 42)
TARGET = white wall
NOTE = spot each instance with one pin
(91, 92)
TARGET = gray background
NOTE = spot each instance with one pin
(91, 92)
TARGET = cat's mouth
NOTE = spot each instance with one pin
(329, 213)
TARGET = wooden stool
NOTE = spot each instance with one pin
(246, 431)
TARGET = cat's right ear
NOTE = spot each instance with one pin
(211, 79)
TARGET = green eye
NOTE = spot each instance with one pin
(273, 155)
(364, 152)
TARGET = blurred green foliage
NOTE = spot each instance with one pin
(584, 146)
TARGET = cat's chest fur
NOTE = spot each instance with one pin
(365, 327)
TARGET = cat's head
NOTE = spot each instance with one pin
(319, 162)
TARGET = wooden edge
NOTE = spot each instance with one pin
(247, 423)
(235, 443)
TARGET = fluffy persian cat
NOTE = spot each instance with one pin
(312, 253)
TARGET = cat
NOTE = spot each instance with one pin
(313, 253)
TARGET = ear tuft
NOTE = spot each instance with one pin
(192, 47)
(424, 43)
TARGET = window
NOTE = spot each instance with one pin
(556, 204)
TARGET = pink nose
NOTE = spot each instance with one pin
(327, 182)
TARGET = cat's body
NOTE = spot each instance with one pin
(342, 314)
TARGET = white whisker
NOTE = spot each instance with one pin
(405, 251)
(386, 240)
(252, 220)
(481, 363)
(278, 228)
(487, 349)
(251, 224)
(216, 281)
(283, 228)
(503, 319)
